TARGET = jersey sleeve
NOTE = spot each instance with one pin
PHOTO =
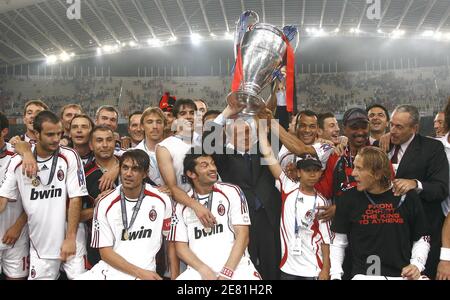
(284, 183)
(76, 181)
(238, 207)
(167, 216)
(178, 228)
(323, 151)
(102, 234)
(324, 227)
(8, 184)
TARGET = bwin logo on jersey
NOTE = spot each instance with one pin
(45, 194)
(199, 233)
(136, 235)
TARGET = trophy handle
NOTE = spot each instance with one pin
(291, 32)
(247, 19)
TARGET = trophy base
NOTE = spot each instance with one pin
(251, 102)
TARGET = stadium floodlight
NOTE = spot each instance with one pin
(99, 51)
(64, 56)
(51, 59)
(132, 44)
(355, 30)
(380, 31)
(337, 30)
(154, 42)
(72, 54)
(438, 35)
(447, 36)
(428, 33)
(397, 33)
(213, 35)
(173, 39)
(228, 36)
(196, 38)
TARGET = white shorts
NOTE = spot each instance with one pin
(15, 262)
(48, 269)
(103, 271)
(244, 271)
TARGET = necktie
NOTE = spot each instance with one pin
(394, 158)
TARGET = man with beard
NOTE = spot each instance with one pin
(378, 121)
(337, 177)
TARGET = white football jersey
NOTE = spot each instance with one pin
(145, 235)
(46, 204)
(14, 207)
(178, 149)
(153, 171)
(229, 207)
(323, 152)
(312, 232)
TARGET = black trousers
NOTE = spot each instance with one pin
(286, 276)
(264, 246)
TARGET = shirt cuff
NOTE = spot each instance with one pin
(445, 254)
(220, 119)
(419, 187)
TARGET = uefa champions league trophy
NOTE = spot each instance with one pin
(260, 50)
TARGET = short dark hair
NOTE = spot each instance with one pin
(322, 117)
(209, 113)
(183, 102)
(99, 128)
(4, 123)
(44, 116)
(109, 108)
(379, 106)
(138, 156)
(306, 112)
(133, 114)
(189, 161)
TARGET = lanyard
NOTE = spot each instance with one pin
(310, 214)
(402, 199)
(37, 180)
(124, 211)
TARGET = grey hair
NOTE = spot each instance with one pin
(411, 110)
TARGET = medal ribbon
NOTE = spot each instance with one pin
(52, 169)
(135, 210)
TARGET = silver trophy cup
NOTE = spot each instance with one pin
(262, 52)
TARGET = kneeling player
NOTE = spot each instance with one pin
(219, 252)
(128, 223)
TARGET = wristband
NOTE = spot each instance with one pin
(227, 273)
(445, 254)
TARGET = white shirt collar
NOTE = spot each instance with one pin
(405, 145)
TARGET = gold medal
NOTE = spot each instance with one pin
(35, 182)
(125, 235)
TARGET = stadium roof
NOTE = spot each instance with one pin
(34, 30)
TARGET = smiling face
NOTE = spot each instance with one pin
(205, 173)
(357, 133)
(330, 130)
(307, 127)
(378, 120)
(402, 127)
(30, 113)
(102, 144)
(135, 129)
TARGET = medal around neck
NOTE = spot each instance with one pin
(35, 181)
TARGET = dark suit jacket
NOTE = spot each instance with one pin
(233, 168)
(426, 161)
